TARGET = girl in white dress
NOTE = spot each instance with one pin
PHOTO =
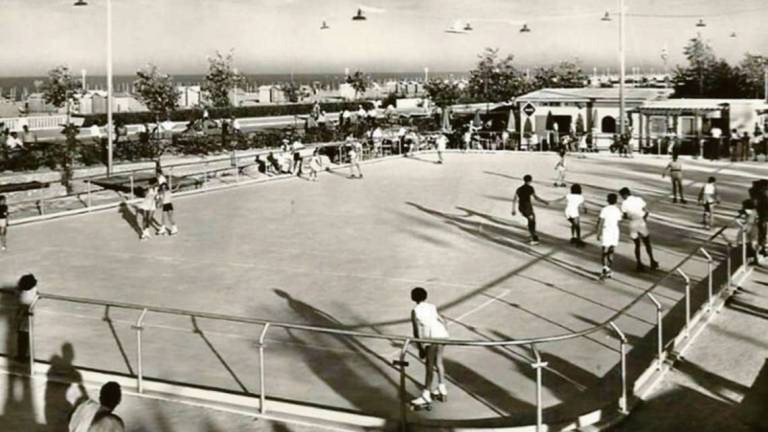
(574, 205)
(428, 324)
(148, 207)
(315, 164)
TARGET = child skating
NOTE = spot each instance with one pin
(634, 209)
(560, 169)
(574, 205)
(524, 194)
(355, 152)
(428, 324)
(708, 197)
(315, 164)
(147, 208)
(442, 143)
(166, 199)
(3, 223)
(608, 234)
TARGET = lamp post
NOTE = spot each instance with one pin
(622, 61)
(110, 126)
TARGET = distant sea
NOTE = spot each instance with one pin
(122, 82)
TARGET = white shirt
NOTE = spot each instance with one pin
(442, 142)
(716, 132)
(634, 207)
(573, 203)
(377, 133)
(13, 143)
(428, 322)
(83, 416)
(611, 216)
(96, 131)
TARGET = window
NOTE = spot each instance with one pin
(608, 125)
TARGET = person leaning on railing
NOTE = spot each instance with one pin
(27, 292)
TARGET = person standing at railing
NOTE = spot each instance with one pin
(428, 324)
(635, 209)
(27, 288)
(3, 223)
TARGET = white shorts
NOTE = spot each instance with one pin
(610, 237)
(638, 228)
(3, 223)
(572, 213)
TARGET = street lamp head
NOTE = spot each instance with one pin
(733, 34)
(81, 3)
(525, 29)
(701, 23)
(606, 17)
(468, 27)
(359, 16)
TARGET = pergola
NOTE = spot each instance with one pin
(674, 109)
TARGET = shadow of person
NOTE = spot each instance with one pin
(129, 216)
(61, 376)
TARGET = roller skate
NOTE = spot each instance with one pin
(423, 402)
(441, 394)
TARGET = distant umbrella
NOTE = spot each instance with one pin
(477, 122)
(525, 29)
(359, 16)
(324, 26)
(511, 123)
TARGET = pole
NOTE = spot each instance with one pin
(622, 69)
(110, 126)
(262, 385)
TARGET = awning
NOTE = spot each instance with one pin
(678, 111)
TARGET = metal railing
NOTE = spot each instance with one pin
(705, 248)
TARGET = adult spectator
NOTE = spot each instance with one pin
(27, 291)
(27, 136)
(714, 144)
(735, 145)
(377, 137)
(92, 416)
(297, 159)
(13, 142)
(274, 164)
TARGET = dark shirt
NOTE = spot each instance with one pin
(524, 194)
(3, 211)
(262, 166)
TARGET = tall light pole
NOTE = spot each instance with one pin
(110, 126)
(622, 61)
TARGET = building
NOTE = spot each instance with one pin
(189, 96)
(596, 109)
(121, 102)
(35, 103)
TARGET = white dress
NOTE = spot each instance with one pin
(428, 322)
(611, 216)
(573, 203)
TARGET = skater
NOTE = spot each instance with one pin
(583, 146)
(708, 197)
(428, 324)
(355, 152)
(315, 164)
(3, 223)
(560, 168)
(634, 209)
(675, 171)
(574, 205)
(148, 207)
(748, 217)
(167, 200)
(442, 143)
(608, 234)
(524, 194)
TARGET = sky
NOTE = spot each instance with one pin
(281, 36)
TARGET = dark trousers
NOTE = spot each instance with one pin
(22, 345)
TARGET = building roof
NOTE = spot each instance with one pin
(587, 94)
(692, 106)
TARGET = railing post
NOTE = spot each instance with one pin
(237, 170)
(133, 191)
(538, 365)
(709, 278)
(89, 194)
(40, 207)
(659, 331)
(205, 176)
(31, 334)
(743, 237)
(170, 179)
(262, 386)
(401, 364)
(687, 301)
(623, 348)
(140, 365)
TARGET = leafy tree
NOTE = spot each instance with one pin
(443, 93)
(222, 78)
(158, 93)
(689, 81)
(359, 82)
(753, 69)
(495, 79)
(566, 74)
(60, 88)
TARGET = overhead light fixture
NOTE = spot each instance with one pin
(606, 17)
(324, 26)
(468, 27)
(359, 16)
(525, 29)
(733, 34)
(700, 23)
(81, 3)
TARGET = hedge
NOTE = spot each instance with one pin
(127, 118)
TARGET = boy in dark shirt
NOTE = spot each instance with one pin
(524, 194)
(3, 222)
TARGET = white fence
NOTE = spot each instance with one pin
(35, 123)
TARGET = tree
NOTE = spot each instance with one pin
(566, 74)
(753, 69)
(60, 88)
(158, 93)
(689, 81)
(221, 79)
(495, 79)
(359, 82)
(443, 93)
